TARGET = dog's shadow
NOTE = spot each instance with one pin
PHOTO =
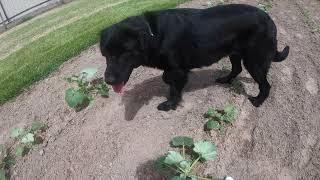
(142, 93)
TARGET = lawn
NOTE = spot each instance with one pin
(30, 51)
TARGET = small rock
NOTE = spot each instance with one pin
(298, 35)
(282, 31)
(294, 18)
(41, 152)
(228, 178)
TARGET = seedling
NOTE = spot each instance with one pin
(28, 138)
(184, 164)
(80, 95)
(6, 161)
(217, 118)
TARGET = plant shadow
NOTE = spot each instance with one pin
(146, 171)
(142, 93)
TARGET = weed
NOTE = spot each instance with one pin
(79, 96)
(185, 163)
(217, 118)
(28, 138)
(265, 5)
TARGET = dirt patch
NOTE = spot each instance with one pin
(119, 137)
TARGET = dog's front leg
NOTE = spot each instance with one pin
(176, 79)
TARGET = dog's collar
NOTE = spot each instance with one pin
(150, 31)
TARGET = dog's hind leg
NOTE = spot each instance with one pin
(176, 79)
(235, 60)
(258, 69)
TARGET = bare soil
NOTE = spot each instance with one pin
(119, 137)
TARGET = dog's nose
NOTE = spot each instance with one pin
(110, 80)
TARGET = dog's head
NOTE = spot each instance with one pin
(124, 46)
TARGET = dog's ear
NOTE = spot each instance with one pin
(138, 35)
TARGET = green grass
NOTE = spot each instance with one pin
(38, 58)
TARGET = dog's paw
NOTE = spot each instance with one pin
(224, 80)
(255, 101)
(166, 106)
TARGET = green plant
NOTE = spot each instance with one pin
(265, 5)
(79, 96)
(219, 117)
(28, 138)
(6, 161)
(184, 164)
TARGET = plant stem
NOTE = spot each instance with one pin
(173, 168)
(194, 162)
(199, 177)
(183, 170)
(183, 152)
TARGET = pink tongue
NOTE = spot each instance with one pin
(118, 87)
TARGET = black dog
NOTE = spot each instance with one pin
(178, 40)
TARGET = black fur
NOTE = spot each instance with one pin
(179, 40)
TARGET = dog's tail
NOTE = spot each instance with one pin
(280, 56)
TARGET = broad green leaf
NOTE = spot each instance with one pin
(36, 125)
(20, 150)
(210, 112)
(177, 178)
(2, 174)
(185, 164)
(89, 72)
(159, 164)
(229, 108)
(211, 124)
(182, 140)
(213, 113)
(74, 97)
(28, 138)
(229, 113)
(16, 132)
(173, 158)
(205, 149)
